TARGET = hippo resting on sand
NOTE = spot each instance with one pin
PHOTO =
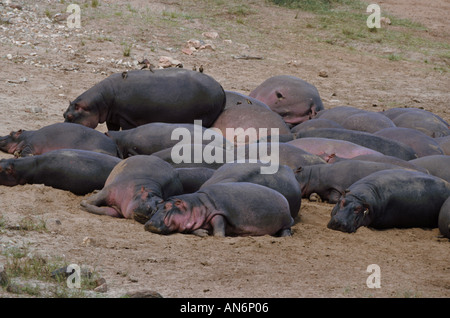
(391, 199)
(224, 209)
(169, 95)
(134, 188)
(77, 171)
(23, 143)
(291, 97)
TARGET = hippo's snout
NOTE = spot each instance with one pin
(340, 225)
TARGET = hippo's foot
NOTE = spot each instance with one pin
(314, 197)
(285, 232)
(201, 232)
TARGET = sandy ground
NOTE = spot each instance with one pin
(315, 261)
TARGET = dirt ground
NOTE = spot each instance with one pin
(44, 65)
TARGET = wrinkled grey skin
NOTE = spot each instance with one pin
(436, 165)
(171, 95)
(390, 199)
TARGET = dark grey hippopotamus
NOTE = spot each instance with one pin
(193, 178)
(391, 160)
(391, 199)
(315, 123)
(422, 144)
(444, 143)
(283, 180)
(426, 122)
(153, 137)
(436, 165)
(77, 171)
(291, 97)
(23, 143)
(169, 95)
(224, 209)
(134, 188)
(339, 114)
(381, 144)
(367, 121)
(444, 219)
(330, 181)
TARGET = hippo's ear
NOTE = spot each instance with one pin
(279, 95)
(180, 204)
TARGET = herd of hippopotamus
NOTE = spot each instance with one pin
(381, 169)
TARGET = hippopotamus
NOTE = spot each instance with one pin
(246, 123)
(436, 165)
(291, 97)
(193, 178)
(283, 180)
(23, 143)
(381, 144)
(170, 95)
(324, 147)
(444, 219)
(367, 121)
(422, 144)
(235, 98)
(77, 171)
(390, 199)
(224, 209)
(391, 160)
(428, 123)
(338, 114)
(153, 137)
(315, 123)
(330, 181)
(134, 188)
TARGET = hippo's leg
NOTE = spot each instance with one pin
(201, 232)
(218, 224)
(94, 205)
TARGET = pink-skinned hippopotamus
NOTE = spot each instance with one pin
(291, 97)
(170, 95)
(74, 170)
(224, 209)
(134, 188)
(23, 143)
(391, 199)
(444, 219)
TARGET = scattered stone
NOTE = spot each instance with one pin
(19, 81)
(167, 61)
(228, 41)
(210, 35)
(143, 294)
(102, 288)
(4, 279)
(323, 74)
(9, 56)
(33, 109)
(385, 21)
(88, 241)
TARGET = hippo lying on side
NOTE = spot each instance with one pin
(77, 171)
(153, 137)
(134, 188)
(224, 209)
(283, 180)
(169, 95)
(23, 143)
(444, 219)
(388, 199)
(330, 181)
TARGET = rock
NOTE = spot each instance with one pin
(101, 289)
(9, 56)
(323, 74)
(33, 109)
(385, 21)
(167, 61)
(88, 241)
(210, 35)
(4, 279)
(143, 294)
